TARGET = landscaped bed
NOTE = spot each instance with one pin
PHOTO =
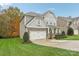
(14, 47)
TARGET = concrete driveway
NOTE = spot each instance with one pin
(65, 44)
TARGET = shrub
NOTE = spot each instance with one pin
(63, 33)
(60, 36)
(70, 31)
(26, 37)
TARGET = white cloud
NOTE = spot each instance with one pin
(5, 5)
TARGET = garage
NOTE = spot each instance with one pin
(37, 33)
(75, 32)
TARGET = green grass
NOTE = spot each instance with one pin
(66, 37)
(14, 47)
(74, 37)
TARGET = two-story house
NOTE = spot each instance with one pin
(75, 25)
(37, 25)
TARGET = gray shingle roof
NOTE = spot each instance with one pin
(33, 14)
(49, 12)
(38, 14)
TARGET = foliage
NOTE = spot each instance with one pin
(26, 37)
(70, 31)
(4, 19)
(60, 36)
(9, 22)
(70, 23)
(14, 27)
(63, 33)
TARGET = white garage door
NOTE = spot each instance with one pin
(75, 32)
(37, 35)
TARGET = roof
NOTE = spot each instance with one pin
(38, 14)
(64, 18)
(22, 18)
(76, 18)
(48, 11)
(33, 14)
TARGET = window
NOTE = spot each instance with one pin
(54, 24)
(47, 23)
(50, 22)
(39, 22)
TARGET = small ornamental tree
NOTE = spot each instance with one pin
(70, 31)
(26, 38)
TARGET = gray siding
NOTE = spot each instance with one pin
(22, 28)
(50, 19)
(36, 22)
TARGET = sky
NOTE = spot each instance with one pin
(59, 9)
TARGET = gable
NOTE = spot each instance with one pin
(50, 18)
(36, 22)
(47, 18)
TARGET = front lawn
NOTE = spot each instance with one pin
(74, 37)
(14, 47)
(66, 37)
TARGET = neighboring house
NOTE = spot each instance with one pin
(75, 25)
(37, 25)
(62, 24)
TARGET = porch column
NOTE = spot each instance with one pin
(58, 31)
(54, 30)
(47, 33)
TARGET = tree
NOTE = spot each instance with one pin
(9, 22)
(70, 31)
(69, 23)
(3, 25)
(14, 26)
